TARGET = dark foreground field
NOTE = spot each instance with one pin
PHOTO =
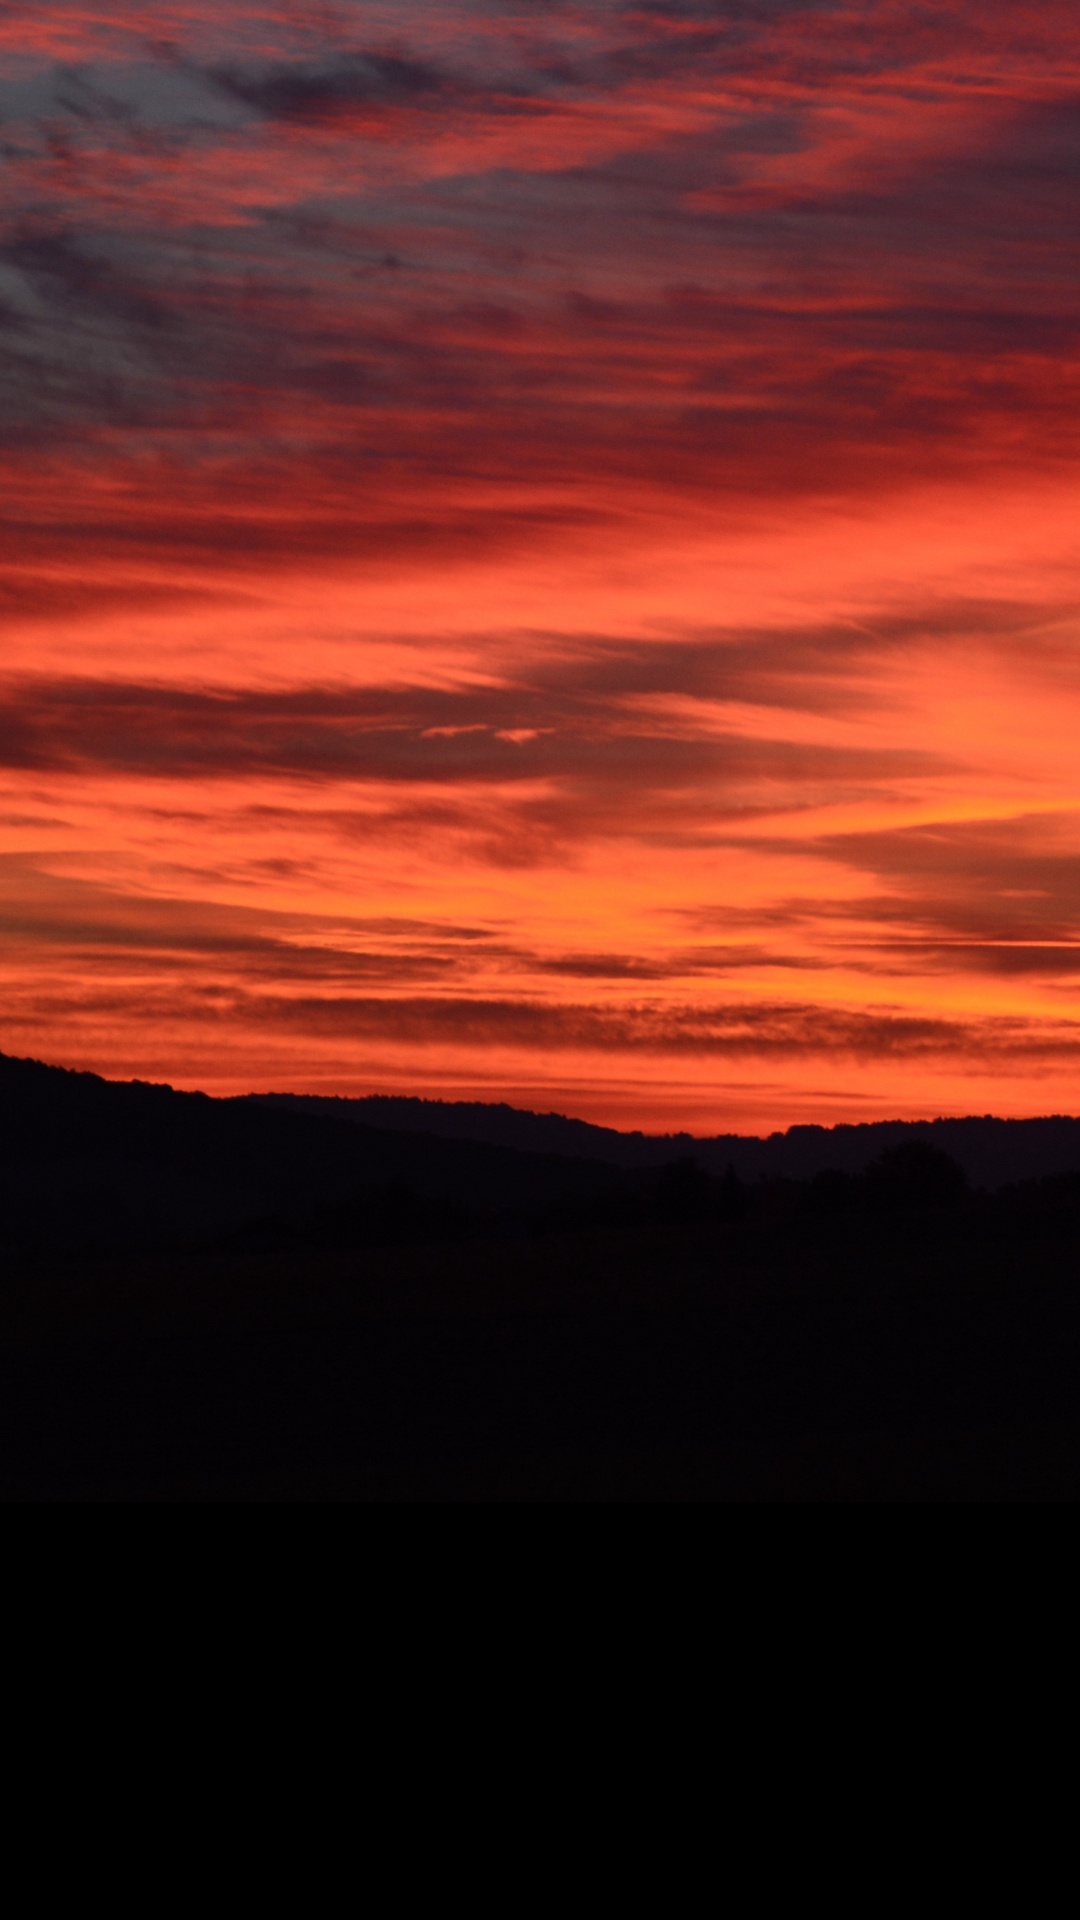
(190, 1311)
(682, 1363)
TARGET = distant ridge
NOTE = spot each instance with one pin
(992, 1152)
(496, 1123)
(89, 1162)
(46, 1100)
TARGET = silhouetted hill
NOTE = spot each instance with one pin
(95, 1162)
(274, 1299)
(496, 1123)
(992, 1152)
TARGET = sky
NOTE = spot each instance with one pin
(539, 552)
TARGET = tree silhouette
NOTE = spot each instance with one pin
(914, 1175)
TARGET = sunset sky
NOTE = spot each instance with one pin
(540, 552)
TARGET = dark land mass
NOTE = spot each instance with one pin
(993, 1153)
(275, 1299)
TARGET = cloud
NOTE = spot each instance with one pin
(492, 735)
(676, 393)
(27, 597)
(762, 1033)
(351, 84)
(108, 929)
(835, 302)
(977, 881)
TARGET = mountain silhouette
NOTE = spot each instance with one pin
(992, 1152)
(94, 1162)
(273, 1298)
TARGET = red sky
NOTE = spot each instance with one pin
(540, 552)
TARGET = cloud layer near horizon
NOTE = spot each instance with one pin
(539, 551)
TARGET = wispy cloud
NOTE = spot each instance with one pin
(600, 475)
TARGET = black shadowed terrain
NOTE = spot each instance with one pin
(277, 1299)
(992, 1152)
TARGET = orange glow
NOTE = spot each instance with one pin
(540, 555)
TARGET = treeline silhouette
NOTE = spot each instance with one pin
(230, 1299)
(99, 1165)
(992, 1152)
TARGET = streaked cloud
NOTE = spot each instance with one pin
(534, 528)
